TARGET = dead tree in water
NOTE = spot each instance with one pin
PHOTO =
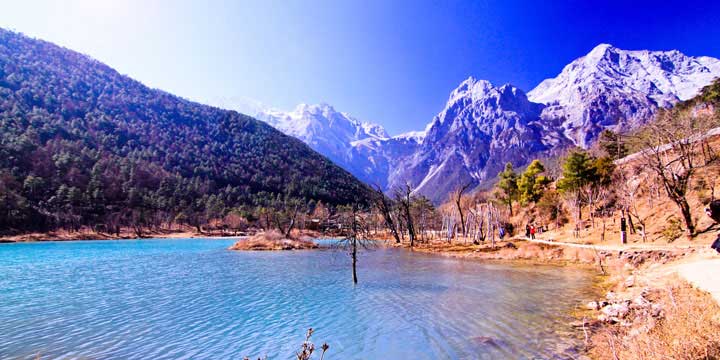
(355, 230)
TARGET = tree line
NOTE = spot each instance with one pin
(82, 146)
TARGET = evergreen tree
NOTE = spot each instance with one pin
(612, 144)
(531, 183)
(578, 171)
(508, 185)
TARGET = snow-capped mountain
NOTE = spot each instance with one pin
(322, 125)
(481, 128)
(385, 157)
(616, 89)
(333, 134)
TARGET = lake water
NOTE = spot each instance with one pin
(193, 299)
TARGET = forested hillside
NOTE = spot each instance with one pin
(81, 144)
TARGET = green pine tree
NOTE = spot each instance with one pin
(531, 183)
(508, 184)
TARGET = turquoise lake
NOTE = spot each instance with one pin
(193, 299)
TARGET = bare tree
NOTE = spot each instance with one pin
(404, 199)
(478, 212)
(423, 211)
(383, 204)
(630, 182)
(675, 151)
(457, 197)
(355, 229)
(604, 194)
(285, 215)
(234, 221)
(575, 202)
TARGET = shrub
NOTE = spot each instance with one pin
(672, 230)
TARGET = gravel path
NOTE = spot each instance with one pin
(704, 274)
(614, 247)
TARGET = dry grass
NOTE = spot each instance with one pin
(688, 328)
(273, 240)
(514, 250)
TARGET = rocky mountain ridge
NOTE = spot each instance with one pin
(483, 126)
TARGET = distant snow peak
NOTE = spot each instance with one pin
(341, 137)
(416, 136)
(611, 88)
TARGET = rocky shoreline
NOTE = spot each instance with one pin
(641, 298)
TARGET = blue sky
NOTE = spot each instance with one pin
(391, 62)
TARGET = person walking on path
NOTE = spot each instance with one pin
(527, 230)
(532, 232)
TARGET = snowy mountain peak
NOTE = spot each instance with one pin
(416, 136)
(312, 122)
(480, 129)
(475, 89)
(330, 132)
(374, 130)
(598, 53)
(314, 108)
(484, 99)
(611, 88)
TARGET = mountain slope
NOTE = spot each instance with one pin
(481, 128)
(80, 143)
(331, 133)
(384, 157)
(616, 89)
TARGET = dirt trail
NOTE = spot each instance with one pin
(614, 247)
(704, 274)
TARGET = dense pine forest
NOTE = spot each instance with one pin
(82, 145)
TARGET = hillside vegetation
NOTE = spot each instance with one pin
(662, 177)
(82, 145)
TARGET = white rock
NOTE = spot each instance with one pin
(618, 310)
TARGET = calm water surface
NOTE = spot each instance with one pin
(192, 299)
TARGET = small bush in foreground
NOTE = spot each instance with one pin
(306, 349)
